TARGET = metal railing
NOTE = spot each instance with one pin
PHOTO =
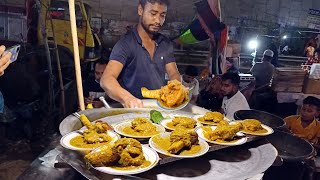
(200, 58)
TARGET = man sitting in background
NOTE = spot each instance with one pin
(189, 80)
(91, 87)
(263, 71)
(233, 100)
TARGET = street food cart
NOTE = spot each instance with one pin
(242, 160)
(222, 162)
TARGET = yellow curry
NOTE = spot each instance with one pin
(141, 127)
(128, 168)
(80, 142)
(165, 143)
(253, 126)
(186, 122)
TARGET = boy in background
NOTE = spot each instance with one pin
(306, 125)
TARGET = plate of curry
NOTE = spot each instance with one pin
(173, 123)
(141, 128)
(126, 156)
(173, 96)
(211, 118)
(78, 142)
(182, 144)
(255, 127)
(229, 135)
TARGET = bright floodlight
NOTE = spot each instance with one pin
(285, 37)
(253, 44)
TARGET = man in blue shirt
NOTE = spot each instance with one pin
(141, 58)
(4, 63)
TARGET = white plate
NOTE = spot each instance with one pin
(65, 140)
(203, 144)
(119, 129)
(207, 123)
(164, 123)
(269, 131)
(238, 142)
(148, 153)
(173, 109)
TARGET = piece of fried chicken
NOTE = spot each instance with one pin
(96, 132)
(102, 156)
(171, 95)
(143, 125)
(222, 132)
(252, 124)
(182, 138)
(215, 117)
(186, 122)
(125, 152)
(130, 152)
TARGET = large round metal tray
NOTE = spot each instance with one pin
(71, 123)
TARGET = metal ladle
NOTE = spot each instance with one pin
(103, 100)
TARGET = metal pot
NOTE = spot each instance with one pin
(290, 147)
(266, 118)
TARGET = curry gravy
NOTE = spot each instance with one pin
(128, 168)
(79, 142)
(128, 130)
(261, 131)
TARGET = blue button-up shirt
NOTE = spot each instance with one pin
(139, 70)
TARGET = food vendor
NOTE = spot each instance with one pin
(141, 58)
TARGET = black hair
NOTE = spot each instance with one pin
(143, 2)
(191, 71)
(233, 77)
(311, 100)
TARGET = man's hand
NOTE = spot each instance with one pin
(97, 104)
(88, 100)
(4, 60)
(132, 102)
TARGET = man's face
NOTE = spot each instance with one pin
(228, 64)
(187, 78)
(152, 16)
(228, 88)
(309, 112)
(98, 71)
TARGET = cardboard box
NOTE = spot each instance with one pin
(311, 86)
(288, 80)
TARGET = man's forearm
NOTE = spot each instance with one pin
(176, 76)
(114, 90)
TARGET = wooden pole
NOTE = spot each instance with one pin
(56, 51)
(76, 54)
